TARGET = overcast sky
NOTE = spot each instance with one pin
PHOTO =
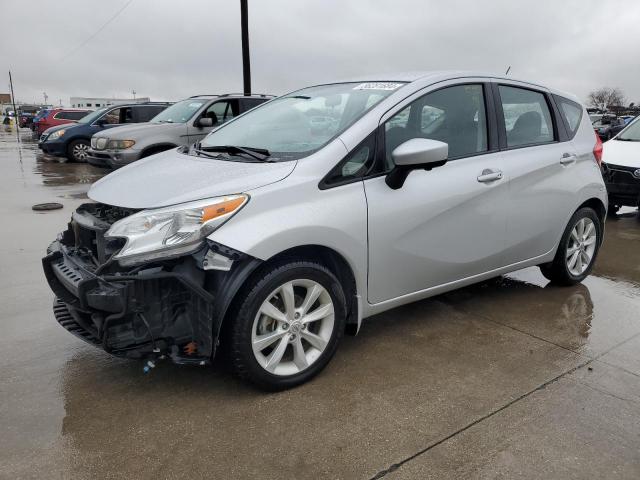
(168, 49)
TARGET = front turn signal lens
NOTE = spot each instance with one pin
(226, 206)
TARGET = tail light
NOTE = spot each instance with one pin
(597, 150)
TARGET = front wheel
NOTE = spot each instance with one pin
(287, 325)
(78, 151)
(577, 250)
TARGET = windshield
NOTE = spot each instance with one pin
(295, 125)
(179, 112)
(631, 133)
(93, 116)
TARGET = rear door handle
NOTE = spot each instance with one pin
(568, 159)
(488, 175)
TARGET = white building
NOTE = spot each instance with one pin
(95, 102)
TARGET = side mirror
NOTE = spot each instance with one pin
(101, 122)
(205, 122)
(414, 154)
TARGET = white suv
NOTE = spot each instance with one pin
(288, 225)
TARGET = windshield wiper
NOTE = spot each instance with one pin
(627, 139)
(261, 154)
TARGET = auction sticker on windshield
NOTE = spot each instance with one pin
(377, 86)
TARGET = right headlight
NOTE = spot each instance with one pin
(57, 134)
(120, 144)
(172, 231)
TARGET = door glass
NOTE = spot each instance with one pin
(355, 165)
(527, 118)
(221, 112)
(454, 115)
(112, 117)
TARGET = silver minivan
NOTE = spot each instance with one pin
(290, 224)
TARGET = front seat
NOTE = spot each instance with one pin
(527, 129)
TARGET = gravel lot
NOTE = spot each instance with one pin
(511, 378)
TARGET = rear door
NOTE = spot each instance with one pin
(539, 161)
(449, 223)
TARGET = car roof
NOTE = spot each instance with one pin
(233, 95)
(442, 75)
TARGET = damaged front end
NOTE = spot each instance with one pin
(171, 307)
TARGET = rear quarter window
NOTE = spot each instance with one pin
(571, 113)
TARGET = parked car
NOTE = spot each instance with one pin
(41, 114)
(72, 141)
(274, 239)
(628, 119)
(26, 119)
(608, 127)
(59, 116)
(185, 122)
(621, 167)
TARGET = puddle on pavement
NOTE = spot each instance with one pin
(44, 169)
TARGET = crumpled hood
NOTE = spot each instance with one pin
(137, 130)
(169, 178)
(618, 152)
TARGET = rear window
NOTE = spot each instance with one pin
(70, 115)
(527, 117)
(571, 114)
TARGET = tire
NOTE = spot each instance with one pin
(563, 270)
(280, 364)
(77, 151)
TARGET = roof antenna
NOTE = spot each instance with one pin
(507, 72)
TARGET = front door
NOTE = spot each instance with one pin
(446, 224)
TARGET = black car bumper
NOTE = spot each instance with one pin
(623, 184)
(55, 148)
(172, 308)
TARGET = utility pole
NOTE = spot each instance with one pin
(134, 94)
(45, 97)
(246, 67)
(15, 110)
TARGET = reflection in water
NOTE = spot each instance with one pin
(527, 302)
(619, 257)
(57, 173)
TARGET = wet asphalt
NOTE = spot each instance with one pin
(511, 378)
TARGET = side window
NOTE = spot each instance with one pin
(571, 114)
(356, 164)
(126, 115)
(146, 113)
(221, 112)
(454, 115)
(76, 115)
(527, 118)
(112, 117)
(249, 103)
(60, 116)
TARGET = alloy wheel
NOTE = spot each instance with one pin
(581, 246)
(80, 151)
(293, 327)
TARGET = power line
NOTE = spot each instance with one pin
(91, 37)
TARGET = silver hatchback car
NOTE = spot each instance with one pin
(290, 224)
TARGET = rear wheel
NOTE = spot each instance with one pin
(78, 151)
(287, 325)
(577, 250)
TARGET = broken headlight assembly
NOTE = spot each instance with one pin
(172, 231)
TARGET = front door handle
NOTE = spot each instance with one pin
(567, 159)
(488, 175)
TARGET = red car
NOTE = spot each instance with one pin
(58, 116)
